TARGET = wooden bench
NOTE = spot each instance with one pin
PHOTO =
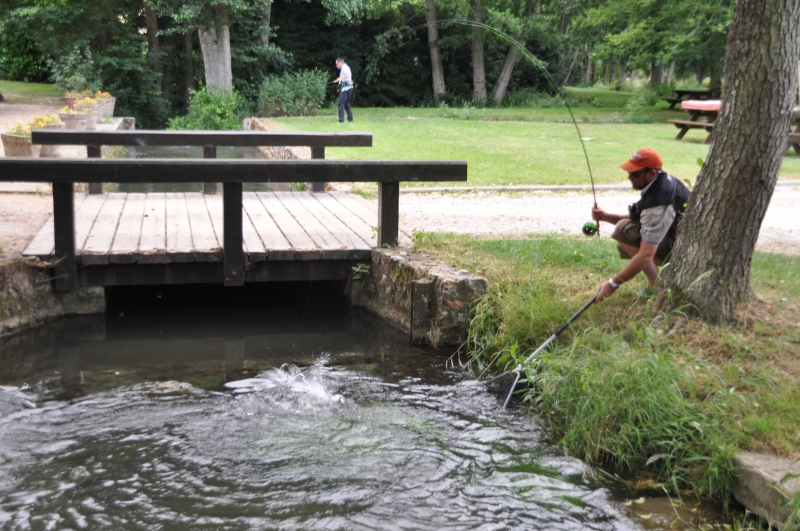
(794, 142)
(208, 140)
(232, 173)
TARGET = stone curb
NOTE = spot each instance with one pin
(760, 486)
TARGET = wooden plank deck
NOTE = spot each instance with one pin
(181, 228)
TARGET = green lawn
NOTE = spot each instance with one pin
(520, 146)
(19, 92)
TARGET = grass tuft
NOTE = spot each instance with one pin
(643, 394)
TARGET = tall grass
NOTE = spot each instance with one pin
(665, 397)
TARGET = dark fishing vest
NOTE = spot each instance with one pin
(666, 190)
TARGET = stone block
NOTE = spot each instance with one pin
(760, 485)
(428, 300)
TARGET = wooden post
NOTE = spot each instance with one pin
(94, 152)
(209, 152)
(388, 212)
(318, 153)
(64, 225)
(233, 256)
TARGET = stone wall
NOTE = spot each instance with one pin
(28, 300)
(275, 152)
(429, 300)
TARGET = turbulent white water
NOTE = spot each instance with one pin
(319, 448)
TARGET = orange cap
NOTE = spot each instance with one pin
(644, 158)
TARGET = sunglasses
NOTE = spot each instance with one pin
(636, 175)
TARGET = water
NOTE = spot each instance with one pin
(275, 407)
(186, 152)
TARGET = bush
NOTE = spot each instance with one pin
(211, 112)
(298, 94)
(638, 105)
(529, 97)
(20, 58)
(75, 70)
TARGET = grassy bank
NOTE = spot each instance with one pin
(19, 92)
(664, 399)
(520, 146)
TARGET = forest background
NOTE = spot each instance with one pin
(150, 54)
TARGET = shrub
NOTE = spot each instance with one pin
(211, 111)
(297, 94)
(74, 70)
(20, 58)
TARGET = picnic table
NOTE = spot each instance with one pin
(794, 135)
(697, 109)
(682, 95)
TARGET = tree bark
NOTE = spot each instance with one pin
(569, 72)
(188, 67)
(478, 70)
(266, 21)
(564, 23)
(153, 50)
(501, 86)
(437, 72)
(588, 76)
(714, 248)
(671, 72)
(623, 73)
(215, 43)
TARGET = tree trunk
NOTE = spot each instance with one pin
(671, 72)
(712, 255)
(437, 71)
(656, 73)
(564, 23)
(166, 80)
(153, 51)
(623, 73)
(716, 77)
(634, 77)
(588, 76)
(607, 73)
(569, 72)
(701, 74)
(188, 65)
(478, 70)
(215, 43)
(266, 21)
(501, 86)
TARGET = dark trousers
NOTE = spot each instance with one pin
(344, 105)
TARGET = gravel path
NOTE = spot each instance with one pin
(489, 213)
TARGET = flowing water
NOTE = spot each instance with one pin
(275, 407)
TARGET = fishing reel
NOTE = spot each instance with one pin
(590, 228)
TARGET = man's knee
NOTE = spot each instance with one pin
(627, 234)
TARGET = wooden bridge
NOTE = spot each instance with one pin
(177, 238)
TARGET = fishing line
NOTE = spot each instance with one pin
(590, 228)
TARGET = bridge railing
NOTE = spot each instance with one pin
(232, 173)
(208, 140)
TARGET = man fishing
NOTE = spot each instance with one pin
(645, 235)
(345, 81)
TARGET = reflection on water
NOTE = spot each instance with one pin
(274, 407)
(193, 152)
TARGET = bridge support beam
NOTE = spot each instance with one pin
(233, 255)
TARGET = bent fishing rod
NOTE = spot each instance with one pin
(518, 369)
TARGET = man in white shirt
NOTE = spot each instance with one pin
(345, 81)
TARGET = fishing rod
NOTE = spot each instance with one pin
(518, 369)
(590, 228)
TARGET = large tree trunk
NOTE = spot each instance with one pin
(153, 50)
(588, 76)
(266, 21)
(716, 238)
(501, 86)
(478, 71)
(188, 66)
(437, 71)
(215, 43)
